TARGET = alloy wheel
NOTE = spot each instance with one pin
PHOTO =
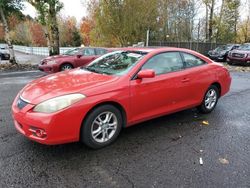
(104, 127)
(210, 99)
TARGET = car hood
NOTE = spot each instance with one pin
(241, 51)
(4, 51)
(63, 83)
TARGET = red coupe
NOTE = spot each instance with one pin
(71, 59)
(119, 89)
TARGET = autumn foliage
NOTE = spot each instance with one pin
(86, 27)
(37, 33)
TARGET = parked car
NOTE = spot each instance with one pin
(4, 52)
(220, 53)
(240, 56)
(71, 59)
(117, 90)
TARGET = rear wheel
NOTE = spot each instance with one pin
(101, 127)
(66, 66)
(210, 100)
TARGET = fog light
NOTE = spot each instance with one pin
(38, 132)
(248, 61)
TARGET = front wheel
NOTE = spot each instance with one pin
(66, 66)
(210, 100)
(101, 127)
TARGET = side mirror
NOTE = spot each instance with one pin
(147, 73)
(78, 55)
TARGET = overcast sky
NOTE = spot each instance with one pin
(71, 8)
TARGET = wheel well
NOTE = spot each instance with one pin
(64, 63)
(216, 84)
(115, 104)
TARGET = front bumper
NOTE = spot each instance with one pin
(60, 127)
(5, 56)
(48, 68)
(217, 57)
(240, 61)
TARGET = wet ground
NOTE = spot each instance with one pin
(163, 152)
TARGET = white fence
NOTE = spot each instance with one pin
(44, 51)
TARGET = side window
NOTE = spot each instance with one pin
(192, 61)
(100, 51)
(164, 63)
(88, 52)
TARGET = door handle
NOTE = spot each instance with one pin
(185, 80)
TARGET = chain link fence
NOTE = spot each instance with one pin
(201, 47)
(44, 51)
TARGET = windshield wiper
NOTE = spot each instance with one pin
(90, 69)
(93, 70)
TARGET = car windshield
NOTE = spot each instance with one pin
(115, 63)
(224, 47)
(244, 47)
(71, 52)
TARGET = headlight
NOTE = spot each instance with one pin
(51, 62)
(58, 103)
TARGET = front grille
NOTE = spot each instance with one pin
(21, 103)
(238, 55)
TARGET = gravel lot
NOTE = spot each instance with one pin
(163, 152)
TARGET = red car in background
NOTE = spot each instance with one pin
(119, 89)
(71, 59)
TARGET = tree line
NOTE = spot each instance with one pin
(125, 22)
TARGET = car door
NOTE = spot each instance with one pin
(85, 56)
(162, 94)
(199, 77)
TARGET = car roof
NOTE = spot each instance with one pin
(151, 49)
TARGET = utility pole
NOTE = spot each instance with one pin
(147, 38)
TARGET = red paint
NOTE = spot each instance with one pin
(142, 99)
(146, 74)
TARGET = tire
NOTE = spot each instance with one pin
(66, 66)
(229, 63)
(210, 100)
(108, 132)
